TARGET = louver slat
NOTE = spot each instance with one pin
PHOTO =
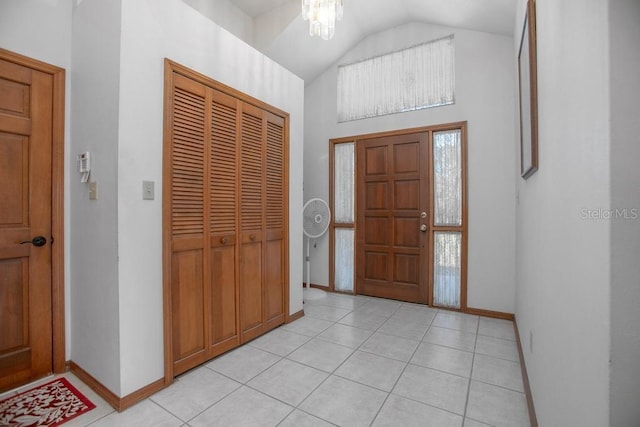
(187, 184)
(275, 200)
(223, 168)
(251, 179)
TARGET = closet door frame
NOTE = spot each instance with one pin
(174, 69)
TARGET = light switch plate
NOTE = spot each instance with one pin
(93, 190)
(148, 190)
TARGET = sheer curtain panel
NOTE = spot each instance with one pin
(418, 77)
(344, 175)
(447, 178)
(447, 269)
(344, 259)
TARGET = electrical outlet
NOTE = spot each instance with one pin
(93, 191)
(530, 342)
(148, 190)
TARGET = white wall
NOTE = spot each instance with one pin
(94, 233)
(624, 17)
(485, 97)
(113, 255)
(563, 260)
(151, 31)
(42, 30)
(227, 15)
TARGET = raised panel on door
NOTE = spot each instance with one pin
(376, 266)
(273, 283)
(14, 315)
(224, 326)
(252, 205)
(223, 177)
(187, 298)
(26, 115)
(377, 230)
(251, 301)
(187, 220)
(392, 254)
(14, 170)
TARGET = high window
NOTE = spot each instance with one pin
(418, 77)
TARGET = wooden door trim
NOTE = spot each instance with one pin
(57, 200)
(464, 229)
(434, 128)
(166, 231)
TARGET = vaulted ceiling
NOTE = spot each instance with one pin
(280, 33)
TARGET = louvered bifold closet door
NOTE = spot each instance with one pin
(223, 210)
(225, 232)
(276, 189)
(252, 202)
(188, 224)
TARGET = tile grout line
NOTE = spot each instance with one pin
(328, 376)
(333, 373)
(208, 407)
(338, 367)
(466, 403)
(373, 420)
(404, 368)
(168, 411)
(358, 348)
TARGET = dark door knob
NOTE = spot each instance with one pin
(36, 241)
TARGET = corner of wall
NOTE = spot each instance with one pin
(563, 235)
(93, 271)
(624, 31)
(172, 29)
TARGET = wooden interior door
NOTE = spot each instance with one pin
(26, 112)
(189, 230)
(223, 219)
(391, 226)
(262, 242)
(252, 200)
(275, 243)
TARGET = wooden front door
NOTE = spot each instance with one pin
(391, 228)
(26, 117)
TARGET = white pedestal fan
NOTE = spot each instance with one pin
(316, 217)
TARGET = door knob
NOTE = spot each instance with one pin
(36, 241)
(423, 227)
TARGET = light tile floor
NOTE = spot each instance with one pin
(351, 361)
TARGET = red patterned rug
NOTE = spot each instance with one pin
(50, 404)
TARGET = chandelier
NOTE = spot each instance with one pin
(322, 16)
